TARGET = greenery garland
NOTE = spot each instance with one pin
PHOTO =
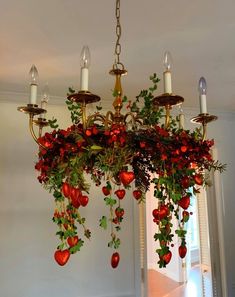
(173, 160)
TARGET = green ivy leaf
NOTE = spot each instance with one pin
(87, 233)
(117, 243)
(110, 201)
(103, 222)
(77, 247)
(98, 107)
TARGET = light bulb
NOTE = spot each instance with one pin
(202, 86)
(85, 57)
(167, 62)
(45, 94)
(33, 74)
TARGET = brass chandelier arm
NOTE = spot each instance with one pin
(204, 119)
(94, 118)
(31, 129)
(84, 119)
(107, 121)
(204, 131)
(168, 116)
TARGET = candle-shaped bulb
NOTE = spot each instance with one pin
(45, 99)
(202, 95)
(181, 117)
(167, 62)
(167, 73)
(45, 94)
(202, 86)
(33, 74)
(85, 63)
(85, 57)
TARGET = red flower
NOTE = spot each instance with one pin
(163, 157)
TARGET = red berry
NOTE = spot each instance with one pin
(88, 133)
(183, 148)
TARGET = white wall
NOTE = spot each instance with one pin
(223, 131)
(27, 234)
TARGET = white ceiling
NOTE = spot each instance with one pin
(51, 33)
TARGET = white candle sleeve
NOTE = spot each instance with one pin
(181, 121)
(167, 82)
(84, 79)
(33, 94)
(202, 100)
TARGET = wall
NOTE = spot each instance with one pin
(28, 240)
(224, 132)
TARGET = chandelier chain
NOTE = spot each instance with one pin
(118, 33)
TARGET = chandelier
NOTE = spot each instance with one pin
(120, 152)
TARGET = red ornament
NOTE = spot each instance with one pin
(62, 257)
(105, 191)
(161, 212)
(84, 200)
(184, 202)
(126, 177)
(119, 212)
(75, 197)
(72, 241)
(115, 259)
(182, 251)
(75, 193)
(66, 189)
(198, 179)
(167, 257)
(137, 194)
(120, 193)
